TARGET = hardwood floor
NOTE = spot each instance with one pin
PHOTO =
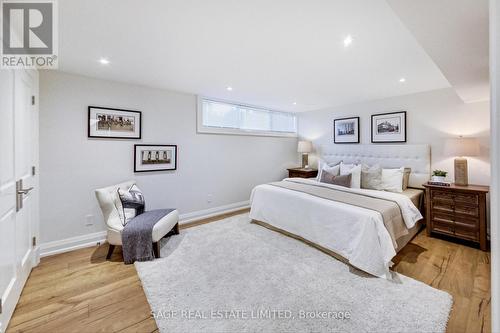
(81, 291)
(462, 271)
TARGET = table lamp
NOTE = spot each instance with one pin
(460, 148)
(305, 147)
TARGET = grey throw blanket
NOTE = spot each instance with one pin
(389, 209)
(137, 236)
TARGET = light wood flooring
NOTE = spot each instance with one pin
(80, 291)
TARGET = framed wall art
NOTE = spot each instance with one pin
(114, 123)
(346, 130)
(155, 158)
(389, 127)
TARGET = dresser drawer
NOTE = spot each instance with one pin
(466, 220)
(443, 218)
(443, 223)
(466, 198)
(466, 211)
(443, 206)
(467, 231)
(302, 173)
(443, 228)
(442, 196)
(293, 174)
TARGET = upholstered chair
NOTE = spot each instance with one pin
(106, 198)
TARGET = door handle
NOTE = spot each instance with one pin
(25, 190)
(20, 191)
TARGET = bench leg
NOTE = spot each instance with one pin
(156, 249)
(110, 251)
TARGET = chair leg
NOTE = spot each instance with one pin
(156, 249)
(110, 251)
(174, 231)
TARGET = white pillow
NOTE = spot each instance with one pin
(353, 169)
(333, 169)
(371, 177)
(392, 180)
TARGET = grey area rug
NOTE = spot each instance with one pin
(235, 276)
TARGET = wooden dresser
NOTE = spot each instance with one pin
(302, 173)
(457, 211)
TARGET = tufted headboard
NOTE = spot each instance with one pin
(416, 157)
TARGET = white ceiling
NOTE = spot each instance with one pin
(455, 35)
(272, 53)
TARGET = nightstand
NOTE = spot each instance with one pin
(302, 173)
(457, 211)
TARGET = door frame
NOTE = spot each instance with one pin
(16, 286)
(495, 163)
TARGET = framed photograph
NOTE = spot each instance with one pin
(155, 158)
(389, 127)
(346, 130)
(114, 123)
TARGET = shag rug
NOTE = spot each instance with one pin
(236, 276)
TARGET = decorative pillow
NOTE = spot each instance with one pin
(130, 204)
(406, 178)
(333, 169)
(392, 180)
(353, 169)
(330, 178)
(371, 177)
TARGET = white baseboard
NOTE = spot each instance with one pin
(80, 242)
(70, 244)
(211, 212)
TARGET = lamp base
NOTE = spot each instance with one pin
(305, 160)
(461, 172)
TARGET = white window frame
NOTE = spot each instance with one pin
(238, 131)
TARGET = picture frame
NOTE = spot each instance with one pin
(346, 130)
(111, 123)
(388, 127)
(155, 157)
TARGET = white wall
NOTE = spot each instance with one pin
(72, 166)
(431, 117)
(495, 162)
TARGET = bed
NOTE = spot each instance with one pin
(363, 237)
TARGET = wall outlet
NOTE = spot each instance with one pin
(89, 220)
(210, 198)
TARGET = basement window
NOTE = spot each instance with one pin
(221, 117)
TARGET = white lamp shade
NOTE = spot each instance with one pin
(462, 147)
(304, 147)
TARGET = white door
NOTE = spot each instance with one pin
(18, 185)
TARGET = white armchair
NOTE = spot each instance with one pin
(106, 198)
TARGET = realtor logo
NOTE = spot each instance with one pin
(29, 34)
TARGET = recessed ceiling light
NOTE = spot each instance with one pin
(294, 103)
(402, 80)
(348, 41)
(104, 61)
(229, 88)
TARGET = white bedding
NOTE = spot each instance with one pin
(356, 233)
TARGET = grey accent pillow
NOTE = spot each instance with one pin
(332, 168)
(371, 177)
(406, 178)
(328, 178)
(132, 203)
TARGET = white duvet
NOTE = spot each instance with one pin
(356, 233)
